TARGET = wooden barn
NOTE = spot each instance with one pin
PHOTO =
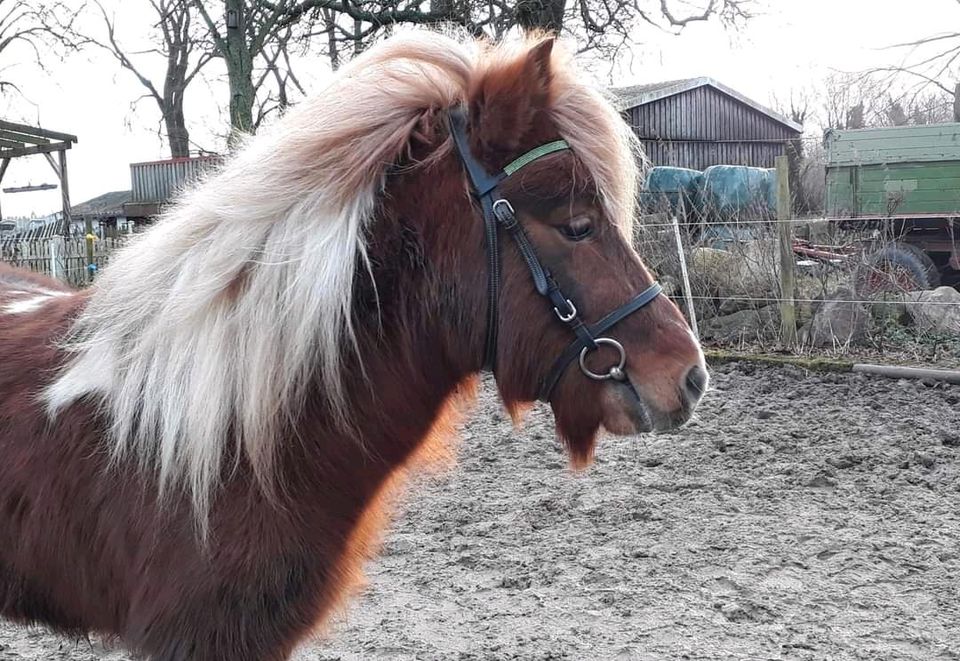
(699, 122)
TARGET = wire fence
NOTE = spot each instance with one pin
(855, 286)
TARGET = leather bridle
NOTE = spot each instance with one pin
(497, 213)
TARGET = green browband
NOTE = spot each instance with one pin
(534, 154)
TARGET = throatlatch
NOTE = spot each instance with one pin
(498, 212)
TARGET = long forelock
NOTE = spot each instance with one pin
(209, 328)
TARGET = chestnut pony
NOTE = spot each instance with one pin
(195, 452)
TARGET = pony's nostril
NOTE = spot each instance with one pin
(695, 384)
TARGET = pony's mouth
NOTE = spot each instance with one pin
(626, 413)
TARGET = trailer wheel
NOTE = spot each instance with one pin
(898, 267)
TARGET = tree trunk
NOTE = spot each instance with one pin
(956, 103)
(239, 63)
(794, 151)
(329, 21)
(177, 134)
(544, 15)
(174, 93)
(357, 42)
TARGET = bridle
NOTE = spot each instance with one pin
(498, 212)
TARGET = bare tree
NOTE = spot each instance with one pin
(34, 26)
(798, 112)
(851, 101)
(933, 107)
(930, 64)
(804, 153)
(863, 100)
(177, 39)
(277, 68)
(256, 38)
(605, 25)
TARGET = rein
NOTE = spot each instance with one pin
(497, 213)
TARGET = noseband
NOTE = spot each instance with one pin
(498, 212)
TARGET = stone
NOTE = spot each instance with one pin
(839, 322)
(936, 310)
(743, 326)
(735, 304)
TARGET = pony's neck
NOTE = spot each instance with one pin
(419, 327)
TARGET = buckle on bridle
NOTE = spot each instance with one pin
(616, 372)
(571, 314)
(505, 213)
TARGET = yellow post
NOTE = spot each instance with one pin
(90, 238)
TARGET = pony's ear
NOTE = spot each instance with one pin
(505, 104)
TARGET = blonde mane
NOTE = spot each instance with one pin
(208, 328)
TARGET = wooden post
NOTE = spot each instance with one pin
(3, 170)
(64, 192)
(788, 312)
(54, 258)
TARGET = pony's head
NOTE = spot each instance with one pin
(576, 207)
(530, 161)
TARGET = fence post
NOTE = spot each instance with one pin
(89, 238)
(788, 312)
(687, 293)
(56, 244)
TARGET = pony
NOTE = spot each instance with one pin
(197, 452)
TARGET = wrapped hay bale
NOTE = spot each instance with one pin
(738, 192)
(667, 188)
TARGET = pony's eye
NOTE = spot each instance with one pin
(577, 229)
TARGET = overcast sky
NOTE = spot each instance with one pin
(791, 46)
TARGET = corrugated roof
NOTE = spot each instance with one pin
(641, 91)
(638, 95)
(108, 204)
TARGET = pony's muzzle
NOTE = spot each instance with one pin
(632, 409)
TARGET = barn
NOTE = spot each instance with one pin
(698, 122)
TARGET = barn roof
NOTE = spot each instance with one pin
(638, 95)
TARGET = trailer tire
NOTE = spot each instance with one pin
(898, 267)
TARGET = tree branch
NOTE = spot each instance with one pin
(115, 49)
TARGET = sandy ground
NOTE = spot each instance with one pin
(800, 516)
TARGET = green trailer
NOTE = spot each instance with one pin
(903, 181)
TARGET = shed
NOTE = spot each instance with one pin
(698, 122)
(105, 210)
(155, 183)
